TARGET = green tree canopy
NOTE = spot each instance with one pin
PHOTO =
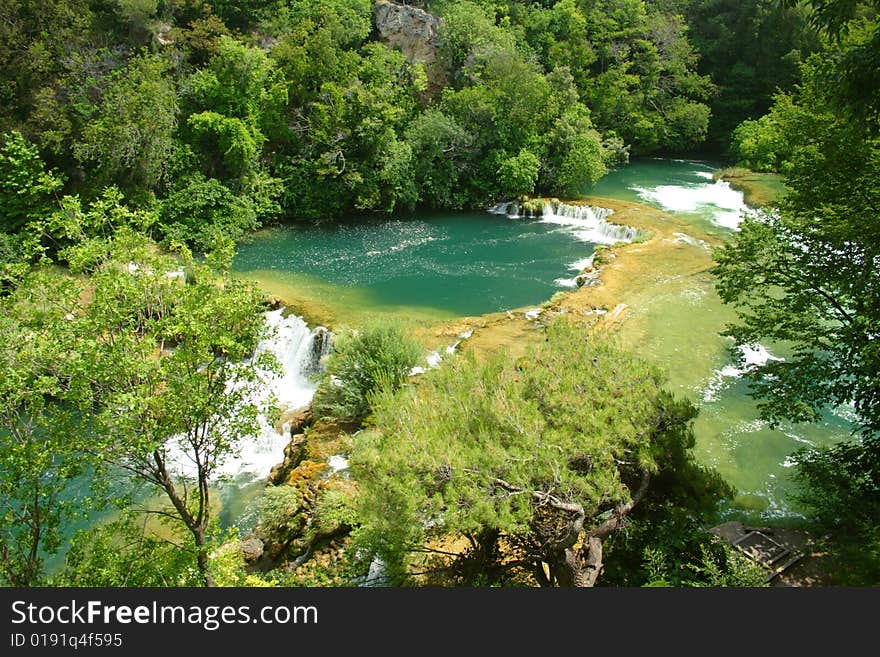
(536, 457)
(806, 274)
(171, 372)
(26, 186)
(45, 444)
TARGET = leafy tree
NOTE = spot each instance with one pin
(364, 361)
(131, 136)
(27, 188)
(171, 381)
(632, 64)
(752, 50)
(36, 37)
(44, 442)
(442, 152)
(805, 274)
(238, 102)
(537, 456)
(125, 553)
(200, 210)
(517, 175)
(577, 156)
(72, 222)
(840, 487)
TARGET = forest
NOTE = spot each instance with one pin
(142, 142)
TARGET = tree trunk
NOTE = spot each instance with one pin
(579, 568)
(202, 556)
(195, 524)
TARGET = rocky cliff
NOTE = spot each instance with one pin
(409, 28)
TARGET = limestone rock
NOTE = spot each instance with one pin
(252, 548)
(294, 454)
(409, 28)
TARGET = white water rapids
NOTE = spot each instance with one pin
(588, 223)
(725, 204)
(298, 350)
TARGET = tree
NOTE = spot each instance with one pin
(442, 150)
(200, 210)
(362, 362)
(130, 138)
(125, 553)
(27, 188)
(537, 460)
(44, 434)
(517, 175)
(807, 274)
(238, 101)
(752, 50)
(577, 157)
(171, 373)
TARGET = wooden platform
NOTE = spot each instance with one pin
(757, 544)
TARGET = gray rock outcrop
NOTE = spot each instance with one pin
(409, 28)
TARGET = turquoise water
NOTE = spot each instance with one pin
(471, 263)
(684, 188)
(677, 325)
(463, 263)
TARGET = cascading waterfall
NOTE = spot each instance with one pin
(590, 222)
(299, 351)
(322, 344)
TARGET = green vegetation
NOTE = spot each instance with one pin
(140, 140)
(806, 274)
(219, 117)
(130, 359)
(534, 462)
(363, 361)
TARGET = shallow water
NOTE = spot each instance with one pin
(430, 264)
(429, 267)
(435, 265)
(677, 324)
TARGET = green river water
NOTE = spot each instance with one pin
(437, 265)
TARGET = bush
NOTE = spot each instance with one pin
(201, 209)
(364, 361)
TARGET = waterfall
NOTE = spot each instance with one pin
(590, 223)
(509, 209)
(299, 351)
(321, 345)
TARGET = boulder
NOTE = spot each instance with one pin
(252, 548)
(409, 28)
(294, 454)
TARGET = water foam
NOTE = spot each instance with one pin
(725, 204)
(751, 357)
(297, 349)
(590, 223)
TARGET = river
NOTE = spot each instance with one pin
(433, 266)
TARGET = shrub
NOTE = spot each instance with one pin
(364, 361)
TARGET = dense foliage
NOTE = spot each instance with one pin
(133, 361)
(135, 133)
(806, 273)
(534, 462)
(363, 361)
(219, 116)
